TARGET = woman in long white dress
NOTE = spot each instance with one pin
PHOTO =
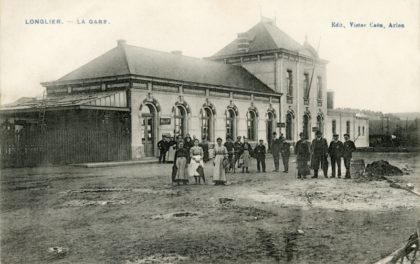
(196, 161)
(220, 154)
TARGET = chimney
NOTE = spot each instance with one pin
(330, 99)
(243, 41)
(176, 52)
(121, 42)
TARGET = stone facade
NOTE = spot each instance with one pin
(341, 122)
(165, 102)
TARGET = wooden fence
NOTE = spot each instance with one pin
(32, 148)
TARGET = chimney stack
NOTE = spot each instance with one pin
(121, 42)
(330, 99)
(243, 41)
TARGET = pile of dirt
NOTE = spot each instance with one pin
(377, 169)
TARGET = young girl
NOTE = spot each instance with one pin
(196, 167)
(181, 162)
(246, 157)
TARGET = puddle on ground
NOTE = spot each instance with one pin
(136, 190)
(176, 215)
(81, 203)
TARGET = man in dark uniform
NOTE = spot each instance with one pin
(231, 149)
(319, 151)
(285, 154)
(259, 153)
(237, 147)
(348, 148)
(275, 151)
(335, 150)
(303, 154)
(163, 146)
(205, 146)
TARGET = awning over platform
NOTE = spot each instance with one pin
(115, 100)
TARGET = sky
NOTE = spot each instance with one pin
(369, 68)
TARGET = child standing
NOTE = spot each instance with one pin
(246, 156)
(259, 152)
(196, 163)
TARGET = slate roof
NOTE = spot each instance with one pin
(67, 100)
(131, 60)
(264, 36)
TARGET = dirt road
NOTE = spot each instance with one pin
(133, 215)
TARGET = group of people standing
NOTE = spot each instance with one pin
(191, 155)
(189, 162)
(317, 153)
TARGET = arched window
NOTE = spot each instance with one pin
(252, 125)
(320, 123)
(319, 86)
(230, 123)
(271, 121)
(180, 121)
(207, 124)
(334, 127)
(306, 127)
(289, 126)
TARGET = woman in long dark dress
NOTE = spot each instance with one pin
(182, 156)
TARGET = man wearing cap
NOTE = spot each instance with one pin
(319, 151)
(163, 146)
(275, 151)
(237, 148)
(335, 150)
(348, 148)
(231, 150)
(303, 155)
(285, 154)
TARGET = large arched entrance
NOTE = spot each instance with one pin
(207, 123)
(149, 128)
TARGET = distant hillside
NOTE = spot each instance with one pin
(408, 115)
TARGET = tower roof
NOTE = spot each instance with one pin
(264, 36)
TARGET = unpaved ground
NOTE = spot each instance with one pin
(131, 215)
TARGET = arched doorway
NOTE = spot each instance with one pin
(149, 123)
(271, 121)
(207, 128)
(231, 122)
(306, 126)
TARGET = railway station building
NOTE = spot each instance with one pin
(118, 106)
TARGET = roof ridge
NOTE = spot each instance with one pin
(269, 33)
(126, 58)
(186, 57)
